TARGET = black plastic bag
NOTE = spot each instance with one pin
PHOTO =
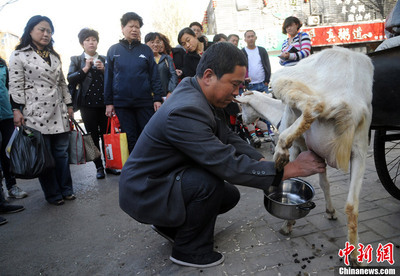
(29, 156)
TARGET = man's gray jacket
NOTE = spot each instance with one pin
(183, 133)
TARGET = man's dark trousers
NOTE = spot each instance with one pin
(205, 197)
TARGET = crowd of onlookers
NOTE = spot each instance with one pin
(130, 82)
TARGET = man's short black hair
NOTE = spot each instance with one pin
(245, 33)
(131, 16)
(233, 35)
(85, 33)
(222, 58)
(196, 24)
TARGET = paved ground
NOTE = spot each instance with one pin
(92, 236)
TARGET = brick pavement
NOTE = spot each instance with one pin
(92, 236)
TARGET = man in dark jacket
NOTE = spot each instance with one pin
(132, 87)
(258, 63)
(178, 177)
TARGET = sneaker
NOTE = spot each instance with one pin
(200, 261)
(7, 208)
(100, 173)
(165, 232)
(267, 138)
(256, 141)
(57, 202)
(16, 192)
(70, 197)
(113, 171)
(2, 221)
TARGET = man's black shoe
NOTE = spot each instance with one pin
(113, 171)
(6, 208)
(2, 221)
(165, 232)
(200, 261)
(100, 173)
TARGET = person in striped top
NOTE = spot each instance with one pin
(298, 44)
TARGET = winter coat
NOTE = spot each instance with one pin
(80, 81)
(131, 77)
(41, 89)
(5, 106)
(168, 77)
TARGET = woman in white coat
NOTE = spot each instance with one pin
(40, 100)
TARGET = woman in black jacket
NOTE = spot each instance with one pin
(86, 83)
(187, 38)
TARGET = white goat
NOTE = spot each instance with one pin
(327, 109)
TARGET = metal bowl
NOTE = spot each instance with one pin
(290, 200)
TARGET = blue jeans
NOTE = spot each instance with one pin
(57, 182)
(261, 87)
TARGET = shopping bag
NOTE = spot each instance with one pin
(115, 146)
(29, 156)
(90, 151)
(10, 142)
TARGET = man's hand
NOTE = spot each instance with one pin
(306, 164)
(110, 110)
(157, 105)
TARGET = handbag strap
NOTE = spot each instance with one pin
(78, 126)
(110, 125)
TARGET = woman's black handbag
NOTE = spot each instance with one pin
(29, 156)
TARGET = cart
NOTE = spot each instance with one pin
(386, 118)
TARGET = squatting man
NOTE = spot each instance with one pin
(180, 175)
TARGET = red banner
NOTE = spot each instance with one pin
(346, 34)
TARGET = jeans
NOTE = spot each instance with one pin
(133, 121)
(205, 196)
(57, 182)
(95, 122)
(6, 130)
(261, 87)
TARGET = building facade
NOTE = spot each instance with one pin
(358, 24)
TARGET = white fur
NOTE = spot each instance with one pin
(327, 109)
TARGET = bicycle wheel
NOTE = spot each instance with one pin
(387, 159)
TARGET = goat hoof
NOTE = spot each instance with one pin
(285, 232)
(286, 228)
(281, 158)
(331, 215)
(354, 263)
(280, 162)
